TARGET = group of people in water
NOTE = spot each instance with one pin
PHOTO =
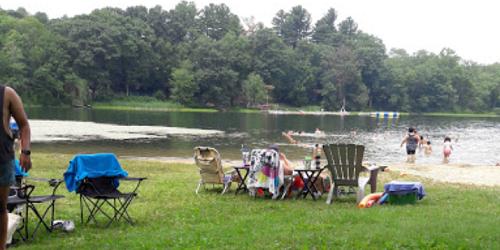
(415, 142)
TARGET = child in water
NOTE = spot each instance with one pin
(428, 148)
(447, 148)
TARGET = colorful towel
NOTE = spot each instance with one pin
(266, 171)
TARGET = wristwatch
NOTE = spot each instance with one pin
(26, 152)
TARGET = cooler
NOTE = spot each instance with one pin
(403, 192)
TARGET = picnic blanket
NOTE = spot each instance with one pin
(92, 166)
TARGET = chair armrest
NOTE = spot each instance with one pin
(137, 179)
(373, 175)
(133, 178)
(54, 183)
(370, 168)
(24, 192)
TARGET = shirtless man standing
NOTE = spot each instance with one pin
(11, 105)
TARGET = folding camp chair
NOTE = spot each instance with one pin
(95, 193)
(96, 178)
(23, 197)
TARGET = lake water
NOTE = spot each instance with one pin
(474, 139)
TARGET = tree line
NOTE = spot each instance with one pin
(209, 57)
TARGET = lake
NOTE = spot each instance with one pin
(474, 139)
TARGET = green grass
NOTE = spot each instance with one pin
(169, 214)
(146, 103)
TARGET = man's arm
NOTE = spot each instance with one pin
(17, 110)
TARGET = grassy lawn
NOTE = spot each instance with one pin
(169, 214)
(147, 103)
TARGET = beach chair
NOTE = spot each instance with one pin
(266, 173)
(96, 178)
(209, 164)
(345, 165)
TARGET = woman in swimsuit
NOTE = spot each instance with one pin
(411, 140)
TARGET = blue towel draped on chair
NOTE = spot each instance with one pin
(19, 170)
(92, 166)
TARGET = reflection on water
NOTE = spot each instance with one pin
(473, 138)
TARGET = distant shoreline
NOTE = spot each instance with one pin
(168, 107)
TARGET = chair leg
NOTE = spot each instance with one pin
(199, 185)
(226, 187)
(81, 209)
(287, 188)
(331, 193)
(361, 189)
(361, 193)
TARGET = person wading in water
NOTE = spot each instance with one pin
(411, 140)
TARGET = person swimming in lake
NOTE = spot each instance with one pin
(411, 140)
(319, 132)
(447, 148)
(289, 137)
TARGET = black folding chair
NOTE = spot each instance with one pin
(100, 194)
(32, 203)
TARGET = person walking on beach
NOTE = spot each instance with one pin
(11, 105)
(411, 140)
(447, 148)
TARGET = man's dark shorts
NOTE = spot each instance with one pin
(7, 174)
(410, 152)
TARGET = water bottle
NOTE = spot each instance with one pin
(307, 162)
(317, 161)
(245, 153)
(317, 156)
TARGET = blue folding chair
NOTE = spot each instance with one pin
(95, 177)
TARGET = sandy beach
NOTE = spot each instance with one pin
(453, 173)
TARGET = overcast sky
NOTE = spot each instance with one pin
(470, 27)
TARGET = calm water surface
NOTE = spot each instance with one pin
(475, 140)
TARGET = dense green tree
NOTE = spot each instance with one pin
(325, 30)
(215, 21)
(184, 86)
(293, 26)
(254, 89)
(370, 53)
(342, 82)
(181, 25)
(204, 57)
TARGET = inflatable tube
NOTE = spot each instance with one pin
(383, 199)
(371, 197)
